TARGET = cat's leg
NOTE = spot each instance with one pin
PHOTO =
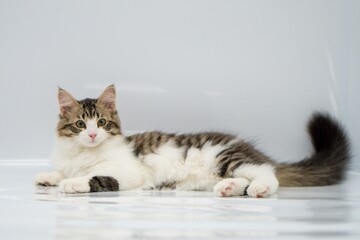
(89, 184)
(48, 179)
(231, 187)
(92, 183)
(263, 181)
(75, 185)
(105, 177)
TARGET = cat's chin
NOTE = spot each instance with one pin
(91, 144)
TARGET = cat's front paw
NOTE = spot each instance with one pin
(48, 179)
(75, 185)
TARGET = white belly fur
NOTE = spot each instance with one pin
(196, 172)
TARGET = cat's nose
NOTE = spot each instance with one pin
(92, 135)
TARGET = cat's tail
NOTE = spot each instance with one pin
(328, 163)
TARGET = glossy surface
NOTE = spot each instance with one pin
(27, 212)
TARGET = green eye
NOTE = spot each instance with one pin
(80, 124)
(101, 122)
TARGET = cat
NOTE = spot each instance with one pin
(92, 155)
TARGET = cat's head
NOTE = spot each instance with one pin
(88, 122)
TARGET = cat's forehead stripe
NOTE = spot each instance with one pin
(89, 108)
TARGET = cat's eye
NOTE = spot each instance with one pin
(101, 122)
(80, 124)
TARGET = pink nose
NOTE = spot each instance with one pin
(92, 135)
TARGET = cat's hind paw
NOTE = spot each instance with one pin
(258, 190)
(75, 185)
(261, 189)
(231, 187)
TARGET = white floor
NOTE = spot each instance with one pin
(27, 212)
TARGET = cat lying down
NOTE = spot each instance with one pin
(92, 155)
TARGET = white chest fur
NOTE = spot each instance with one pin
(73, 160)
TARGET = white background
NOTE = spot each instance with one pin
(256, 68)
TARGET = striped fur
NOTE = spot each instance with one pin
(103, 184)
(149, 142)
(235, 154)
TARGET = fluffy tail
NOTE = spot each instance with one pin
(328, 164)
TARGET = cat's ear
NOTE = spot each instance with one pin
(108, 98)
(67, 103)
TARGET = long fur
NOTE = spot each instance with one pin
(329, 161)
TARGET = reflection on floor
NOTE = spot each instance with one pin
(27, 212)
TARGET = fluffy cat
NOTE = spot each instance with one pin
(93, 155)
